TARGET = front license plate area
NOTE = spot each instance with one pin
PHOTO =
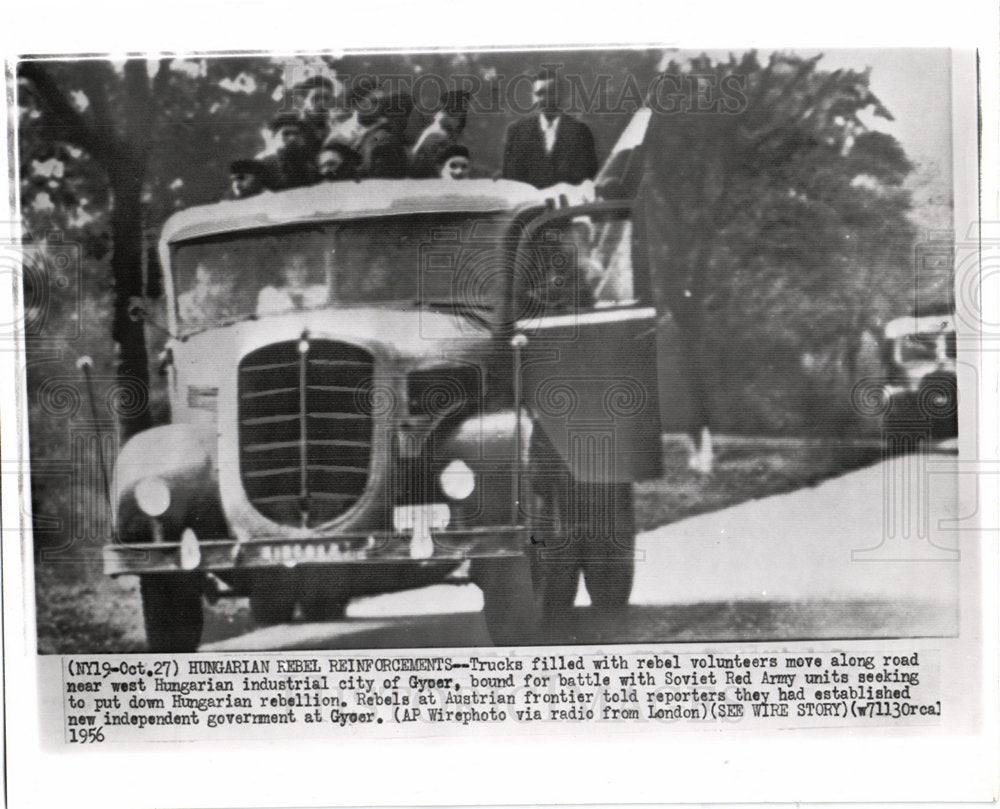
(419, 520)
(415, 516)
(294, 553)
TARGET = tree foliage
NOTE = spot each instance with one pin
(783, 235)
(107, 151)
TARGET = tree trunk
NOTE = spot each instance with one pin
(132, 397)
(123, 157)
(674, 270)
(695, 358)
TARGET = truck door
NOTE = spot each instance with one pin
(583, 302)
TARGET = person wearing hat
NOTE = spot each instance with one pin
(247, 178)
(345, 125)
(314, 97)
(443, 132)
(453, 163)
(549, 146)
(382, 147)
(294, 163)
(336, 161)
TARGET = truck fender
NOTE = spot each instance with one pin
(487, 440)
(486, 443)
(183, 455)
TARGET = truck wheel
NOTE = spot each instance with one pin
(324, 607)
(272, 597)
(554, 549)
(609, 545)
(508, 600)
(938, 402)
(171, 608)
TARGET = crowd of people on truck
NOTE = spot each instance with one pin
(364, 132)
(368, 132)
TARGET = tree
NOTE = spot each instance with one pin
(120, 145)
(780, 232)
(107, 151)
(125, 138)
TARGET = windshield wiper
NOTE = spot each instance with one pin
(474, 311)
(222, 324)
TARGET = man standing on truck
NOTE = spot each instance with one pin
(336, 161)
(247, 178)
(440, 135)
(382, 148)
(294, 162)
(453, 163)
(314, 98)
(550, 146)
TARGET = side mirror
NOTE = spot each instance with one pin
(165, 359)
(138, 311)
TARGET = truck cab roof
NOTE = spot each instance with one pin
(912, 326)
(350, 200)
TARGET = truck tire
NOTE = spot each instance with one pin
(324, 607)
(272, 597)
(554, 551)
(547, 498)
(938, 403)
(172, 611)
(609, 544)
(509, 607)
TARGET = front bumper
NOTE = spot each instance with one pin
(350, 548)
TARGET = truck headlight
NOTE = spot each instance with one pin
(457, 480)
(152, 495)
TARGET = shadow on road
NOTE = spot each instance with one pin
(706, 623)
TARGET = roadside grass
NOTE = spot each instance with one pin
(85, 611)
(79, 610)
(745, 468)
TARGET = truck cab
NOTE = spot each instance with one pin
(921, 354)
(374, 383)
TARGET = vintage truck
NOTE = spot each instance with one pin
(922, 390)
(373, 383)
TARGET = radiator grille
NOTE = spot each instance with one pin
(305, 429)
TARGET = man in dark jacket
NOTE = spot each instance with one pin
(336, 161)
(314, 98)
(294, 163)
(382, 148)
(550, 146)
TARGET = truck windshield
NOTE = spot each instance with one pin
(918, 348)
(452, 261)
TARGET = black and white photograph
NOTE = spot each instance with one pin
(516, 402)
(476, 348)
